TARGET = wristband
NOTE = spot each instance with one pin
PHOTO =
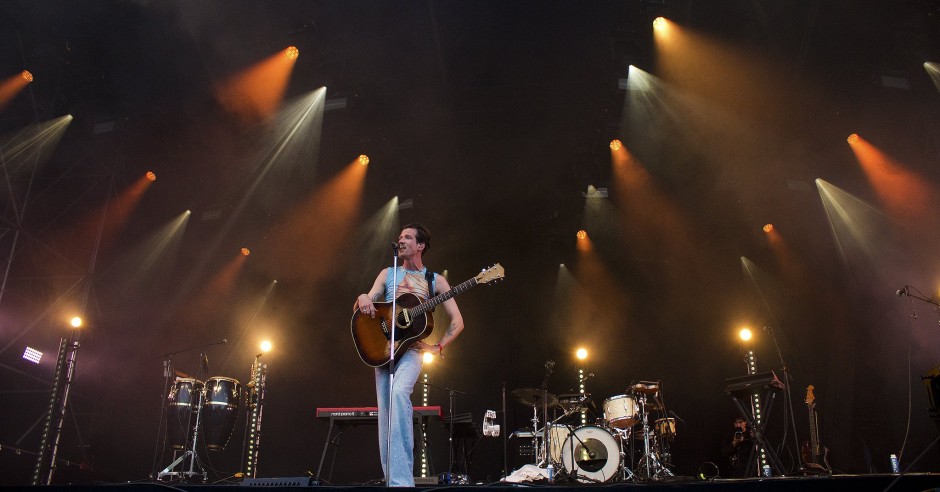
(440, 349)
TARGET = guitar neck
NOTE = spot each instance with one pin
(813, 432)
(450, 294)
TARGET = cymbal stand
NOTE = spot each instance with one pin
(654, 469)
(538, 443)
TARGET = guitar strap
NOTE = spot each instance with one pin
(429, 277)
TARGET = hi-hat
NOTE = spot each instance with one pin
(533, 397)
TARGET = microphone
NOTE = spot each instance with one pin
(901, 292)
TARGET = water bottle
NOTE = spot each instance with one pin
(551, 473)
(895, 466)
(766, 470)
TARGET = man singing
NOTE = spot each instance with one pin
(413, 242)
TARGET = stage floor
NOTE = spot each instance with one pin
(881, 482)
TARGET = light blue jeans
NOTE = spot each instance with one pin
(407, 370)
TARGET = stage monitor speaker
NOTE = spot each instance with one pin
(281, 482)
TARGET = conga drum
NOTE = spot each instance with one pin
(220, 411)
(181, 415)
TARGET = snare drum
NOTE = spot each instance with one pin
(223, 398)
(621, 411)
(180, 415)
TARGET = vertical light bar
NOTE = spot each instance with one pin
(755, 402)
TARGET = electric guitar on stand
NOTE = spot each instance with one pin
(413, 320)
(815, 455)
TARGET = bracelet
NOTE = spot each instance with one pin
(440, 349)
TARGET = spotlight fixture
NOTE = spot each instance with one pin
(32, 355)
(151, 176)
(363, 159)
(27, 75)
(582, 234)
(266, 346)
(246, 251)
(76, 322)
(427, 358)
(616, 145)
(292, 52)
(581, 353)
(768, 227)
(745, 334)
(852, 138)
(659, 23)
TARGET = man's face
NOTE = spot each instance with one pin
(740, 425)
(408, 245)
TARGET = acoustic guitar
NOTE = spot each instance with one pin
(413, 320)
(815, 455)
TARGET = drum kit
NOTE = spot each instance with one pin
(602, 452)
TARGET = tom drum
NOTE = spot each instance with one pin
(621, 411)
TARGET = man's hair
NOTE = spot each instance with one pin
(422, 235)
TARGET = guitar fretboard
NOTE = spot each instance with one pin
(434, 301)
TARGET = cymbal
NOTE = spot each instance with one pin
(532, 397)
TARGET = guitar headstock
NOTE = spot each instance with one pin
(810, 398)
(491, 274)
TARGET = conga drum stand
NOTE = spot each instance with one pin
(168, 473)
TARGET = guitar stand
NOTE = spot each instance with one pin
(758, 431)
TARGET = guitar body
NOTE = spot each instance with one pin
(372, 335)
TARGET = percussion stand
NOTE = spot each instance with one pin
(650, 459)
(191, 453)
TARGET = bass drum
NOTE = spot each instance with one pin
(180, 415)
(223, 398)
(591, 455)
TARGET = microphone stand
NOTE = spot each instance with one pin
(906, 291)
(789, 379)
(549, 366)
(391, 368)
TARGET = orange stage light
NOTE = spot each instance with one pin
(151, 176)
(582, 234)
(292, 52)
(255, 93)
(246, 251)
(616, 145)
(768, 227)
(852, 138)
(904, 193)
(659, 23)
(363, 159)
(12, 86)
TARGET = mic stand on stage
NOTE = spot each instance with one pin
(789, 380)
(391, 368)
(546, 457)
